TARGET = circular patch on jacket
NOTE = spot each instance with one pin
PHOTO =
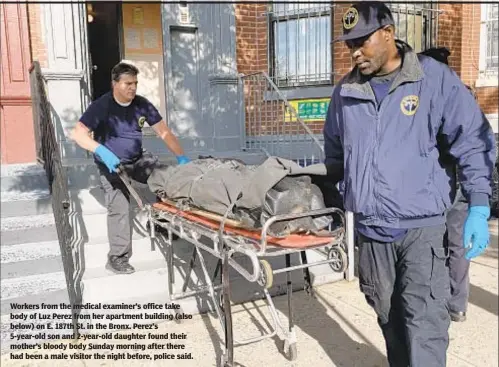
(409, 105)
(142, 121)
(350, 18)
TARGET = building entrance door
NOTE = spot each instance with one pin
(105, 43)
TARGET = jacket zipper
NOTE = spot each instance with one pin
(375, 158)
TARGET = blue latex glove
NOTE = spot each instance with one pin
(476, 231)
(182, 159)
(108, 157)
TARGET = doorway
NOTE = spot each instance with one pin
(105, 43)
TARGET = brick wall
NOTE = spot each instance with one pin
(459, 30)
(488, 97)
(38, 48)
(251, 37)
(449, 33)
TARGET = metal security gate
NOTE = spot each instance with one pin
(49, 155)
(273, 126)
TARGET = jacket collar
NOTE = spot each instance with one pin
(410, 71)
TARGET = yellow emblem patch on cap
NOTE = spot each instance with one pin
(350, 18)
(142, 121)
(409, 105)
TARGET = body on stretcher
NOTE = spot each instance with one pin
(227, 238)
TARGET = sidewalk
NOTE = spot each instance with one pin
(337, 328)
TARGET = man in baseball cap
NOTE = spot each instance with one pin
(369, 23)
(380, 139)
(365, 18)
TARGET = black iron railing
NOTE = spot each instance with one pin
(49, 155)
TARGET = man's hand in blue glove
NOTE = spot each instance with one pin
(108, 157)
(476, 231)
(182, 159)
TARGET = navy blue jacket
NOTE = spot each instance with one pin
(389, 154)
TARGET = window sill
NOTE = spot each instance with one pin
(494, 121)
(490, 81)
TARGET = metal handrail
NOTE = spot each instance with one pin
(257, 86)
(49, 155)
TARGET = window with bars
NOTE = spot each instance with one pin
(300, 37)
(415, 24)
(489, 44)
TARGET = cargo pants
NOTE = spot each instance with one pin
(407, 284)
(117, 202)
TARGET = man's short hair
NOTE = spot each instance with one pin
(123, 68)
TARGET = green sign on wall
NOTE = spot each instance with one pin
(311, 109)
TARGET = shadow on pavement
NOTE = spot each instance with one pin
(484, 299)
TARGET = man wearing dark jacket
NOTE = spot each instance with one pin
(381, 140)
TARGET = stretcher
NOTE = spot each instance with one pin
(229, 241)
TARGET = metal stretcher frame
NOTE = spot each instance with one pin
(228, 241)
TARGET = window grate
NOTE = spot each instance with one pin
(300, 38)
(492, 42)
(300, 52)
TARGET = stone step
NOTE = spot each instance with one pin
(27, 222)
(31, 267)
(28, 235)
(29, 251)
(45, 257)
(15, 203)
(32, 285)
(28, 229)
(22, 177)
(86, 227)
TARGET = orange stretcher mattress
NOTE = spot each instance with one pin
(210, 220)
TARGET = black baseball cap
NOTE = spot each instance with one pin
(364, 18)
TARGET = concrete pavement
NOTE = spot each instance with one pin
(337, 328)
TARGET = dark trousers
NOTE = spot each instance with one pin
(407, 284)
(117, 201)
(458, 265)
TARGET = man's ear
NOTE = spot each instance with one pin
(389, 32)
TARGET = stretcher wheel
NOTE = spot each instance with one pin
(292, 352)
(339, 257)
(266, 276)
